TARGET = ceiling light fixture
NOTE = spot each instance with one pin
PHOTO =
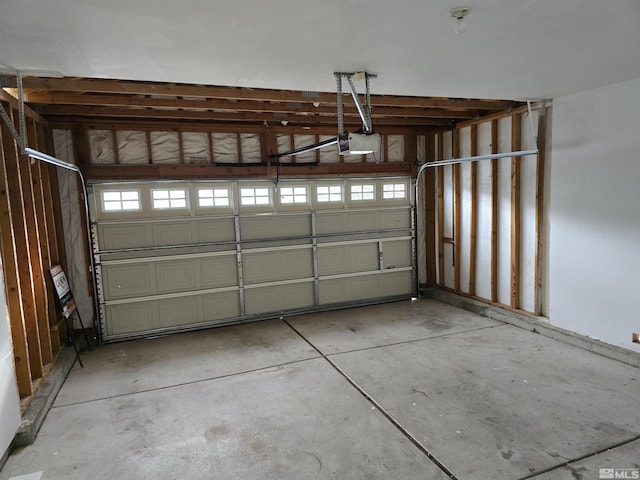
(459, 13)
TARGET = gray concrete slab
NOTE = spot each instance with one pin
(623, 461)
(501, 402)
(297, 421)
(385, 324)
(140, 365)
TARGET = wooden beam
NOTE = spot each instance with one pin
(457, 210)
(239, 147)
(116, 148)
(13, 104)
(473, 212)
(249, 117)
(540, 231)
(430, 211)
(180, 146)
(36, 238)
(210, 138)
(494, 212)
(516, 141)
(147, 136)
(244, 93)
(139, 172)
(440, 156)
(14, 183)
(489, 117)
(11, 280)
(294, 108)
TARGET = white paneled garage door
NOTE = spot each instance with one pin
(183, 255)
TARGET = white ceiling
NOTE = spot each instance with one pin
(511, 49)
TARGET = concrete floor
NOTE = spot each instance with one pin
(398, 391)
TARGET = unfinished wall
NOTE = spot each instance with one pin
(594, 213)
(488, 212)
(30, 245)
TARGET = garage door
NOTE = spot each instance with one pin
(176, 256)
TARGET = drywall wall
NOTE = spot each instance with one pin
(594, 211)
(9, 400)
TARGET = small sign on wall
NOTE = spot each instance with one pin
(63, 290)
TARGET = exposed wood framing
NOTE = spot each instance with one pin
(148, 138)
(540, 183)
(494, 212)
(31, 241)
(138, 172)
(440, 172)
(11, 277)
(20, 211)
(516, 140)
(430, 211)
(457, 210)
(239, 146)
(36, 235)
(235, 93)
(473, 212)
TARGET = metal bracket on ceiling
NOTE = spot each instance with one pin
(19, 136)
(363, 110)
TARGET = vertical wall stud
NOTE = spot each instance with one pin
(430, 210)
(12, 282)
(440, 172)
(494, 212)
(516, 129)
(457, 211)
(473, 212)
(540, 173)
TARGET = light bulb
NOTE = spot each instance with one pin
(460, 25)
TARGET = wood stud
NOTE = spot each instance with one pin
(516, 141)
(440, 172)
(473, 212)
(494, 212)
(540, 182)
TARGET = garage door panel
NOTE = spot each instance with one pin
(277, 266)
(179, 311)
(219, 271)
(175, 233)
(396, 283)
(215, 230)
(334, 260)
(176, 276)
(221, 305)
(119, 236)
(331, 223)
(279, 298)
(178, 270)
(397, 253)
(381, 285)
(391, 219)
(128, 281)
(362, 221)
(131, 318)
(272, 226)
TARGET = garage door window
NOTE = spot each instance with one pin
(363, 192)
(393, 190)
(329, 193)
(289, 195)
(254, 196)
(166, 199)
(123, 200)
(213, 197)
